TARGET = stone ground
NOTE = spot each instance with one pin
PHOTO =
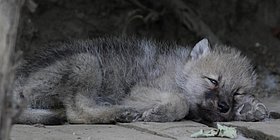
(269, 130)
(266, 130)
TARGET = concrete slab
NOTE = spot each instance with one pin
(272, 103)
(80, 132)
(176, 130)
(141, 131)
(268, 130)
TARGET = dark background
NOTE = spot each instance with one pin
(253, 26)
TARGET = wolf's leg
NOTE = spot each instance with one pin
(143, 104)
(41, 116)
(82, 97)
(156, 105)
(84, 109)
(26, 115)
(36, 97)
(80, 88)
(52, 87)
(248, 108)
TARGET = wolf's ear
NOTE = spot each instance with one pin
(200, 49)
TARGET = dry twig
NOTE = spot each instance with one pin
(9, 16)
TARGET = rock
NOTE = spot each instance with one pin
(268, 130)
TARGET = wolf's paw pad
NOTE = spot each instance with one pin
(253, 110)
(261, 111)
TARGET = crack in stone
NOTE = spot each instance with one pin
(145, 130)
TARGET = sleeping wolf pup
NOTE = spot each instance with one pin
(109, 80)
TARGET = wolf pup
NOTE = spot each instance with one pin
(109, 80)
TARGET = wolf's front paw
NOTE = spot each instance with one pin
(156, 114)
(250, 109)
(128, 115)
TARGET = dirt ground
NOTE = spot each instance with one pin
(253, 26)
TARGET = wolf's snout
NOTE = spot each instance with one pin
(223, 107)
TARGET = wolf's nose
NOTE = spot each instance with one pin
(223, 107)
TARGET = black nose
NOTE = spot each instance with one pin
(223, 107)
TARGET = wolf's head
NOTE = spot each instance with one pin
(213, 78)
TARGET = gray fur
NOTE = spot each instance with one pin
(119, 79)
(200, 49)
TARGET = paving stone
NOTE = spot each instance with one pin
(80, 132)
(133, 131)
(272, 103)
(176, 130)
(268, 130)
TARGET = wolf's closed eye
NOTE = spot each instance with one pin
(237, 93)
(214, 82)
